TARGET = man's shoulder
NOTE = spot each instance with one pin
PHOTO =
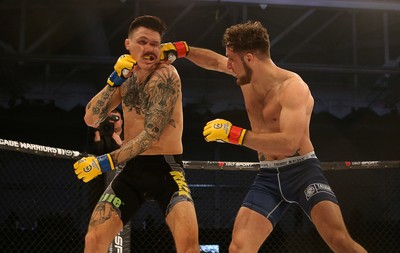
(164, 67)
(293, 79)
(165, 71)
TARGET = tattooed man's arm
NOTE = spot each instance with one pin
(100, 105)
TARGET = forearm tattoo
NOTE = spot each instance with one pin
(155, 99)
(132, 148)
(102, 105)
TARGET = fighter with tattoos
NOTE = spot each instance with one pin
(151, 156)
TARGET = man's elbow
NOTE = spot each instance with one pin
(90, 120)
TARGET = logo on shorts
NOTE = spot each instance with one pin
(316, 188)
(112, 199)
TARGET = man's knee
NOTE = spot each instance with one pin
(233, 248)
(188, 243)
(237, 245)
(340, 240)
(92, 238)
(97, 239)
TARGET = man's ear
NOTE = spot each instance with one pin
(249, 57)
(127, 44)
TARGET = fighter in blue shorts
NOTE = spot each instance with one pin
(279, 105)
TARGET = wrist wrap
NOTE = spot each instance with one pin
(181, 49)
(115, 80)
(236, 135)
(105, 162)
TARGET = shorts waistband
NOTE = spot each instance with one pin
(286, 161)
(173, 159)
(160, 158)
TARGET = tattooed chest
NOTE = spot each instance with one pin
(135, 98)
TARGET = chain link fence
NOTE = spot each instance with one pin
(44, 208)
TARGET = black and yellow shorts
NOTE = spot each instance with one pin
(148, 177)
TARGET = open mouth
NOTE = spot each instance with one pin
(149, 57)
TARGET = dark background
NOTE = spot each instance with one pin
(55, 55)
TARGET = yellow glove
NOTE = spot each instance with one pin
(123, 69)
(90, 167)
(172, 50)
(221, 130)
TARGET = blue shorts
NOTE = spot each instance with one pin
(297, 180)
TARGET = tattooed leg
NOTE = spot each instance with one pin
(102, 213)
(104, 225)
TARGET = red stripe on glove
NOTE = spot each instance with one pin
(180, 49)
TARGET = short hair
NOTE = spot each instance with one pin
(251, 36)
(150, 22)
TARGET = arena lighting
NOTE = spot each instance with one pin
(343, 4)
(209, 248)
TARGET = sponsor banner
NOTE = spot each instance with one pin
(122, 242)
(38, 149)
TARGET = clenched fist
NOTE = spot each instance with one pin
(172, 50)
(90, 167)
(221, 130)
(123, 69)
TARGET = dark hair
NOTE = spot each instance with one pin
(150, 22)
(251, 36)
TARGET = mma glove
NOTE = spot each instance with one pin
(172, 50)
(123, 69)
(221, 130)
(90, 167)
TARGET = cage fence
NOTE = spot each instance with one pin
(44, 208)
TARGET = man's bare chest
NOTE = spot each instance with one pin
(264, 116)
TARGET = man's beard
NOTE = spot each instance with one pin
(247, 77)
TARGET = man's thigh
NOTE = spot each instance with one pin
(182, 219)
(250, 230)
